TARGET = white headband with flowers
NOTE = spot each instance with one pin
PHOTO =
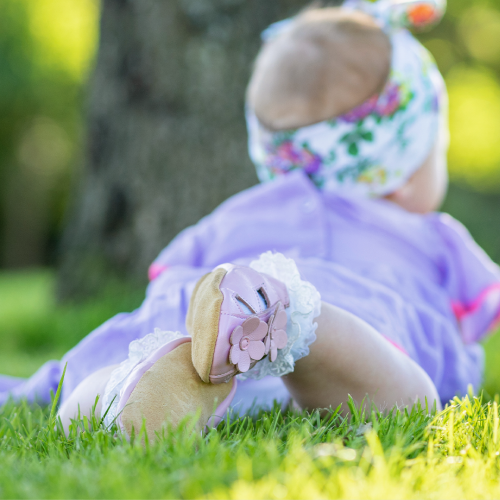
(373, 149)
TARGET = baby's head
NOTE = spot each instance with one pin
(327, 62)
(355, 103)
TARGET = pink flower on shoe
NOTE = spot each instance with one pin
(277, 337)
(246, 343)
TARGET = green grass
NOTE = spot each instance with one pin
(454, 454)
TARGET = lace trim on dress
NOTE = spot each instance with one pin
(305, 305)
(138, 351)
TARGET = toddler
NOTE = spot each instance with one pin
(336, 278)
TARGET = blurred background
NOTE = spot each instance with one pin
(55, 60)
(47, 48)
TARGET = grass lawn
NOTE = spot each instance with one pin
(454, 454)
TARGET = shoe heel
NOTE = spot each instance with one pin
(171, 390)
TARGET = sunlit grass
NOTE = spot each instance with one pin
(275, 455)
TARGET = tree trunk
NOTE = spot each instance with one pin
(166, 138)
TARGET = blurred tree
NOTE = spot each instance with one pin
(166, 131)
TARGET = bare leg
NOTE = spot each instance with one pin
(349, 357)
(84, 395)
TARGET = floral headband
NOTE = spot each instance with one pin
(373, 149)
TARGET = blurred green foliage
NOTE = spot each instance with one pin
(466, 46)
(34, 328)
(46, 49)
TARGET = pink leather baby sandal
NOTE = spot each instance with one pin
(236, 317)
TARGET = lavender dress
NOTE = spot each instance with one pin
(421, 281)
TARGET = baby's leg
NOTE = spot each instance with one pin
(83, 397)
(349, 357)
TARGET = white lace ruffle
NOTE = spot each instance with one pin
(138, 351)
(305, 305)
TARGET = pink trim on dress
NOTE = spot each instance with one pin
(398, 347)
(462, 310)
(155, 270)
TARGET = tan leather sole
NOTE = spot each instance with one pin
(169, 391)
(202, 321)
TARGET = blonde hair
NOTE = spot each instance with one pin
(329, 61)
